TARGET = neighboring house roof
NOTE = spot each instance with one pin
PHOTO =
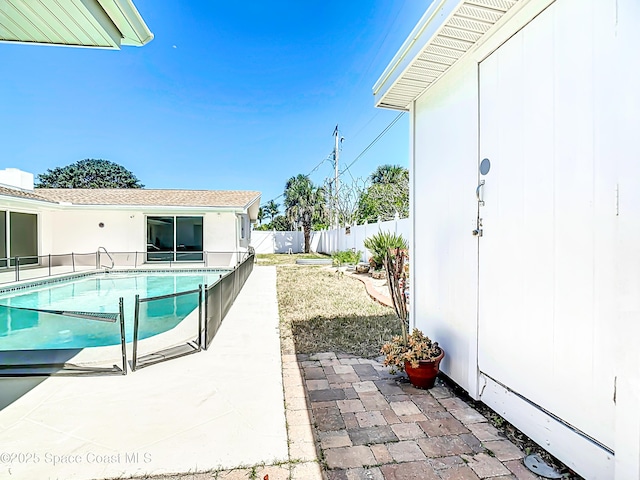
(147, 197)
(12, 192)
(86, 23)
(445, 33)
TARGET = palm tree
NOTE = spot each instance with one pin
(271, 209)
(304, 204)
(386, 174)
(261, 214)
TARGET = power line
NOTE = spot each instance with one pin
(375, 140)
(328, 157)
(314, 169)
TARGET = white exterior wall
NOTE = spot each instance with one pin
(443, 250)
(78, 230)
(597, 170)
(221, 232)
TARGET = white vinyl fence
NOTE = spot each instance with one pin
(328, 241)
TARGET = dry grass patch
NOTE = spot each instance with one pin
(284, 259)
(323, 311)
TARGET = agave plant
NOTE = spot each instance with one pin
(390, 250)
(380, 243)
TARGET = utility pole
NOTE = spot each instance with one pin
(336, 155)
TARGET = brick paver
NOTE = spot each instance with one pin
(371, 425)
(486, 466)
(349, 457)
(409, 471)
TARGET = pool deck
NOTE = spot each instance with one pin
(224, 410)
(219, 409)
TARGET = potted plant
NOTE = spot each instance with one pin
(415, 353)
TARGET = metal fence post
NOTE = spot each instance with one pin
(136, 317)
(123, 338)
(49, 264)
(17, 265)
(206, 316)
(200, 317)
(73, 262)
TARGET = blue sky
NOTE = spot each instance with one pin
(229, 95)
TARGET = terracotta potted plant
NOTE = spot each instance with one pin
(415, 353)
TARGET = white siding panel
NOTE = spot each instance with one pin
(541, 284)
(444, 252)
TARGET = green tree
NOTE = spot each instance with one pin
(89, 173)
(280, 223)
(387, 194)
(386, 174)
(304, 204)
(261, 215)
(271, 209)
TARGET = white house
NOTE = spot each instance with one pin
(526, 266)
(142, 226)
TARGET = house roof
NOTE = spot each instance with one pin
(148, 197)
(86, 23)
(445, 33)
(13, 192)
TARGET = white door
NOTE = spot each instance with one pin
(546, 264)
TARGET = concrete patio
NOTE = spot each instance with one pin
(243, 410)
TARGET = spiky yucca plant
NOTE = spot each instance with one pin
(380, 243)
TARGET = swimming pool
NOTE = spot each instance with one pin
(23, 329)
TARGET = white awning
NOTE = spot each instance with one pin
(82, 23)
(444, 34)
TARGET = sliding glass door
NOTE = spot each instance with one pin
(174, 238)
(18, 238)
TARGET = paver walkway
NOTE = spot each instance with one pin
(369, 424)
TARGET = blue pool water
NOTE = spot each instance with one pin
(100, 293)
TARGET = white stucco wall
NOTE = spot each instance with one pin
(77, 230)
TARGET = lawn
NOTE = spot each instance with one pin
(284, 259)
(322, 310)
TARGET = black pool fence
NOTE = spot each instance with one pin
(219, 297)
(59, 360)
(212, 302)
(217, 300)
(19, 268)
(174, 308)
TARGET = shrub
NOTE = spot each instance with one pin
(347, 257)
(379, 245)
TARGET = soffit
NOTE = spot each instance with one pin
(85, 23)
(445, 34)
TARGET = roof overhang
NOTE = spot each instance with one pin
(253, 207)
(80, 23)
(445, 33)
